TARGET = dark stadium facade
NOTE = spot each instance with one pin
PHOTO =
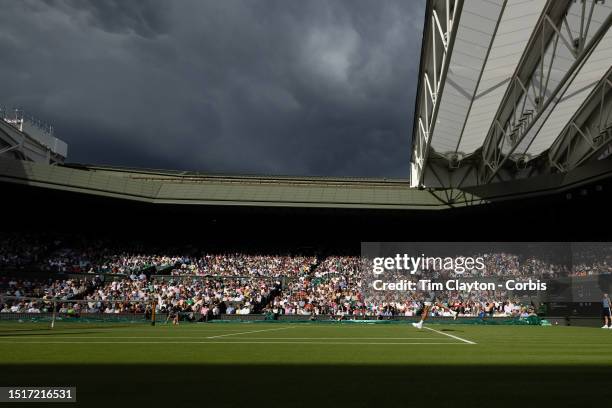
(552, 208)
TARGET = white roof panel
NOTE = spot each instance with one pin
(515, 29)
(473, 38)
(592, 71)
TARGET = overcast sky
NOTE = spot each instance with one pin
(304, 87)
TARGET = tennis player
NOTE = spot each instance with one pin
(606, 312)
(430, 299)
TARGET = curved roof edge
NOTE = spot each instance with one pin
(175, 188)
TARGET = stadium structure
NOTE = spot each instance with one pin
(514, 101)
(511, 142)
(511, 89)
(26, 138)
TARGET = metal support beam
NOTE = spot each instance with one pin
(432, 66)
(524, 121)
(576, 143)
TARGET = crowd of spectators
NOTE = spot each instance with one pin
(22, 250)
(241, 264)
(336, 288)
(102, 256)
(126, 280)
(76, 254)
(591, 259)
(64, 289)
(202, 295)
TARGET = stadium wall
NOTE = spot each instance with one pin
(574, 215)
(134, 318)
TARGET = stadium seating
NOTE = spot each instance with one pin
(118, 278)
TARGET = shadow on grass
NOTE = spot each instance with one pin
(43, 332)
(321, 385)
(2, 329)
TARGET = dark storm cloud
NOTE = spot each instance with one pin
(143, 17)
(260, 86)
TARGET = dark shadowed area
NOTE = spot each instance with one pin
(238, 385)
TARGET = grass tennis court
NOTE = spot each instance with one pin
(303, 343)
(361, 364)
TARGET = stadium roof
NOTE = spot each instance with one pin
(511, 88)
(174, 187)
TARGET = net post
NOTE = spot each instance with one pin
(153, 313)
(53, 316)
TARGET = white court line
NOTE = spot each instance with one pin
(341, 338)
(248, 338)
(248, 332)
(159, 326)
(165, 329)
(225, 342)
(450, 335)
